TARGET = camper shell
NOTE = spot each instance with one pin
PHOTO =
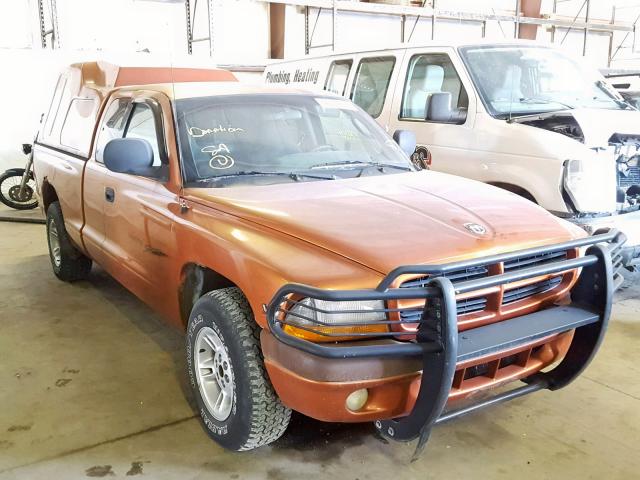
(82, 89)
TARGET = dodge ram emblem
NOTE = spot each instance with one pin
(475, 228)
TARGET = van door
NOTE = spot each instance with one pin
(437, 102)
(373, 84)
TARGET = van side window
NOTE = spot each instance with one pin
(371, 83)
(113, 125)
(337, 77)
(429, 74)
(142, 124)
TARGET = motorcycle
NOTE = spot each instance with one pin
(18, 185)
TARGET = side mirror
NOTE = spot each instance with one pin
(129, 155)
(26, 148)
(406, 140)
(438, 108)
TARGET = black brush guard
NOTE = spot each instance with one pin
(437, 339)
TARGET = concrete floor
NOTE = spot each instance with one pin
(93, 386)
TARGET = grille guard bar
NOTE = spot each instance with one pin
(437, 339)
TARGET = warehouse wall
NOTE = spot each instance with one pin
(115, 28)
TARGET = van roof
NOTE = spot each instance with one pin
(431, 43)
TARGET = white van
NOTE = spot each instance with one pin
(522, 116)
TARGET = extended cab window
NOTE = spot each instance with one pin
(142, 124)
(337, 77)
(429, 74)
(55, 105)
(113, 126)
(371, 84)
(78, 124)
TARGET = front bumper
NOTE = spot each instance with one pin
(627, 223)
(421, 369)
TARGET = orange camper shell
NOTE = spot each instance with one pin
(82, 89)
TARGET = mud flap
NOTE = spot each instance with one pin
(438, 327)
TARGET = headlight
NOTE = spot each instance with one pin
(323, 320)
(573, 177)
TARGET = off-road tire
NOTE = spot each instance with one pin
(258, 417)
(73, 265)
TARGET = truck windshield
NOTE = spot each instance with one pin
(521, 80)
(272, 138)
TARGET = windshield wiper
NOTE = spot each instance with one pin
(606, 89)
(293, 175)
(544, 101)
(357, 164)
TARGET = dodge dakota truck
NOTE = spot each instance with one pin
(312, 267)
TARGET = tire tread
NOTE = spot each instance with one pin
(270, 417)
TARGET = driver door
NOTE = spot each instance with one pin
(139, 235)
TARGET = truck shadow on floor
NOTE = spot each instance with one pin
(304, 434)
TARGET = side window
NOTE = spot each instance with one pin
(78, 125)
(113, 125)
(55, 105)
(371, 83)
(142, 124)
(337, 77)
(429, 74)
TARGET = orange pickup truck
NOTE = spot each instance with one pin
(309, 263)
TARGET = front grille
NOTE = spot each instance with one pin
(630, 177)
(526, 291)
(479, 304)
(469, 305)
(455, 276)
(534, 260)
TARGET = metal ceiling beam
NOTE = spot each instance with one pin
(49, 32)
(191, 17)
(399, 10)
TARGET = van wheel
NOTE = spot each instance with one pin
(236, 401)
(68, 263)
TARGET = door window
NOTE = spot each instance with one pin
(371, 84)
(337, 78)
(429, 74)
(142, 124)
(113, 125)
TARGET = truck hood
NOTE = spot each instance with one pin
(594, 126)
(400, 219)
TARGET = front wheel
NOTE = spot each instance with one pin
(236, 401)
(15, 197)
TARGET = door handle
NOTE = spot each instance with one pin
(109, 194)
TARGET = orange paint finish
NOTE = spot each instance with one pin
(339, 234)
(395, 396)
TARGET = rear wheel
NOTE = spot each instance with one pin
(236, 401)
(68, 263)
